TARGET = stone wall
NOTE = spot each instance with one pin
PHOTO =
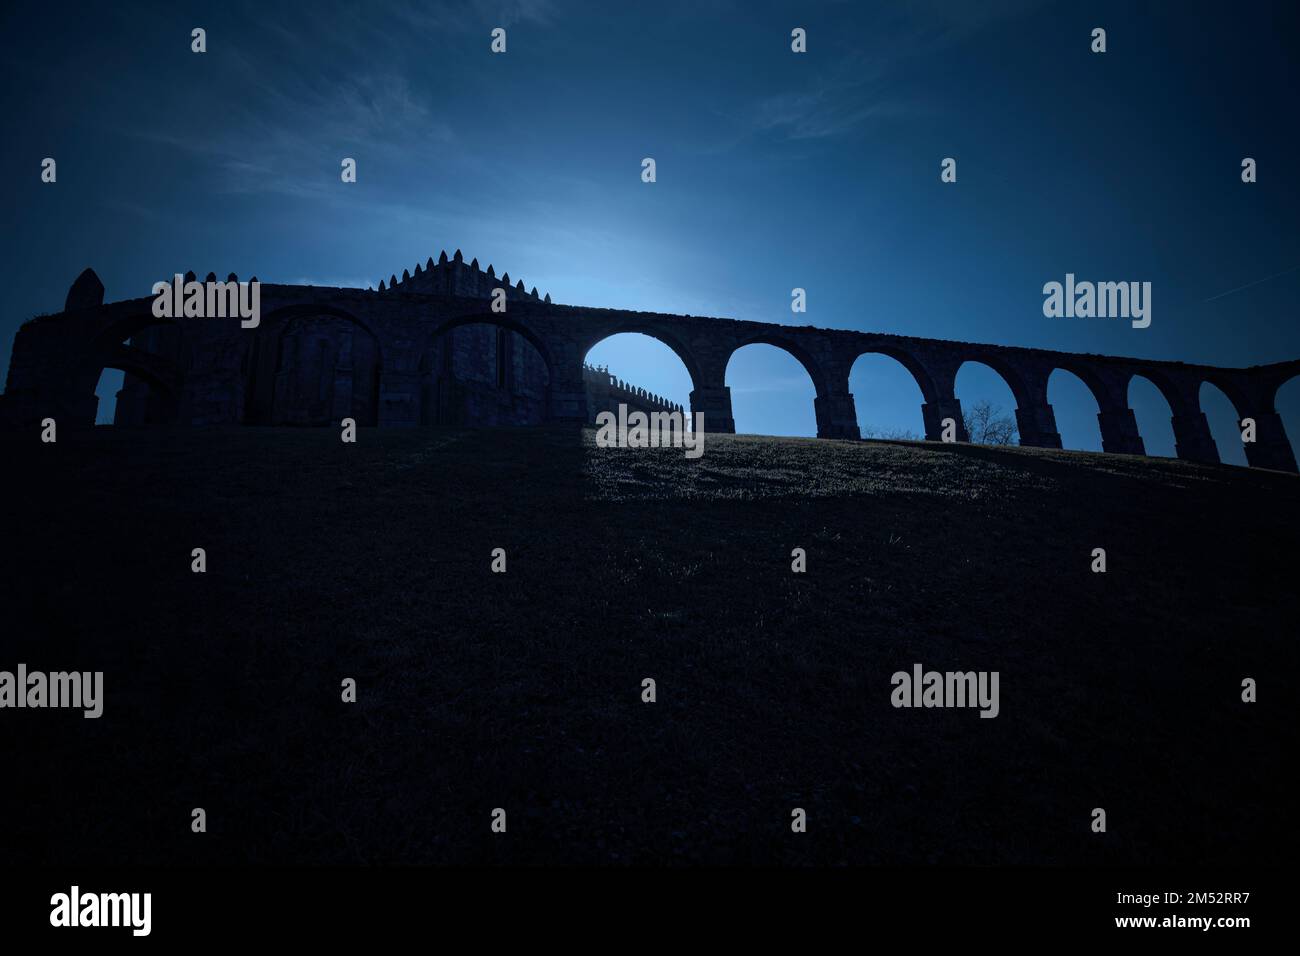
(605, 393)
(440, 358)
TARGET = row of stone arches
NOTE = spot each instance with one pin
(312, 366)
(771, 394)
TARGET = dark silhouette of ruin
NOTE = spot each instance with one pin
(402, 355)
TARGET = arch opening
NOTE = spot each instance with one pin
(1154, 417)
(772, 392)
(887, 398)
(1075, 408)
(1222, 417)
(143, 399)
(1286, 403)
(638, 370)
(988, 404)
(130, 397)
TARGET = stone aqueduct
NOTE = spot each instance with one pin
(57, 360)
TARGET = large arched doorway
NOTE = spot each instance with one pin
(312, 367)
(482, 374)
(327, 369)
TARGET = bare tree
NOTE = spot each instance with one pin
(889, 434)
(987, 425)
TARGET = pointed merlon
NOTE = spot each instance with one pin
(417, 269)
(429, 264)
(505, 277)
(212, 277)
(458, 257)
(548, 298)
(490, 272)
(442, 258)
(405, 275)
(86, 292)
(520, 285)
(254, 279)
(474, 264)
(190, 276)
(232, 278)
(534, 292)
(392, 281)
(381, 286)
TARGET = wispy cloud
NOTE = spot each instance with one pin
(862, 83)
(263, 148)
(1251, 285)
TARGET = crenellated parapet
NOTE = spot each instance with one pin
(605, 392)
(454, 276)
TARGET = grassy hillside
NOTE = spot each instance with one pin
(522, 690)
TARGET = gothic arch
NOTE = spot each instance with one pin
(261, 363)
(501, 320)
(127, 327)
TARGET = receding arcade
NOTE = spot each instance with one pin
(55, 360)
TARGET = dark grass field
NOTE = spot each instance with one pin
(522, 690)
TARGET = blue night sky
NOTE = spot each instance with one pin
(775, 170)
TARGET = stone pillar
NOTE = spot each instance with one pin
(715, 403)
(1037, 426)
(399, 398)
(1119, 432)
(343, 384)
(933, 414)
(1192, 439)
(132, 407)
(567, 399)
(78, 410)
(1271, 448)
(837, 416)
(598, 396)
